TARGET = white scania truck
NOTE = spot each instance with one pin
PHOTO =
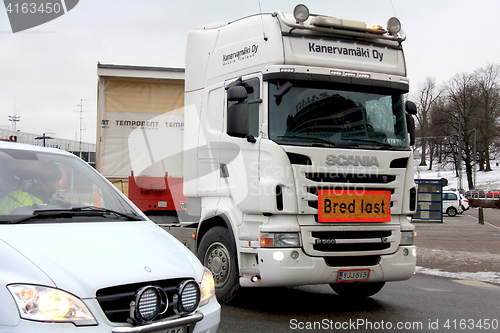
(297, 153)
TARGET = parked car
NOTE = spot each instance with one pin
(475, 193)
(493, 193)
(77, 255)
(465, 202)
(451, 203)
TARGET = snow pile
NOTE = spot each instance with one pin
(491, 277)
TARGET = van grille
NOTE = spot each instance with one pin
(115, 301)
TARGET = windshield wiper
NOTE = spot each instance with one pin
(379, 142)
(90, 209)
(323, 140)
(85, 211)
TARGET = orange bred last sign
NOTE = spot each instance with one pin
(354, 206)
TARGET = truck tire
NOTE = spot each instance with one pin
(217, 252)
(452, 211)
(366, 289)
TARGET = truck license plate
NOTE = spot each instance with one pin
(354, 206)
(353, 275)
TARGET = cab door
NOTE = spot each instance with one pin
(239, 149)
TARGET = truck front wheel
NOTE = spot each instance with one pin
(217, 252)
(357, 289)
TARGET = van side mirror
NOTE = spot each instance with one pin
(411, 109)
(238, 113)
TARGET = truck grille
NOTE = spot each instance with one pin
(352, 261)
(350, 178)
(372, 240)
(348, 243)
(313, 182)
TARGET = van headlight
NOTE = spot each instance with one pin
(47, 304)
(207, 287)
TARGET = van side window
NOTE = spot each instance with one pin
(449, 196)
(253, 89)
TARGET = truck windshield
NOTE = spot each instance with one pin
(323, 114)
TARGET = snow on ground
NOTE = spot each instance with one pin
(491, 277)
(484, 180)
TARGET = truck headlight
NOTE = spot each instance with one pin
(407, 237)
(47, 304)
(280, 239)
(207, 287)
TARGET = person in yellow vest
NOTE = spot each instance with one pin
(36, 192)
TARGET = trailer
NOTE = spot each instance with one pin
(140, 134)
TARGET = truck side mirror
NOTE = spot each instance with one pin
(282, 91)
(411, 109)
(238, 113)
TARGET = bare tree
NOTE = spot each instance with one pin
(462, 93)
(487, 81)
(461, 120)
(436, 140)
(428, 95)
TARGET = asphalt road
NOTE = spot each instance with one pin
(421, 304)
(491, 215)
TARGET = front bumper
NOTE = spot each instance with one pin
(314, 270)
(205, 320)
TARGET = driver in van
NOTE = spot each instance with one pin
(39, 190)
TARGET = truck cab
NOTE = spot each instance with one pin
(298, 158)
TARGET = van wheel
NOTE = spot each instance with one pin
(452, 211)
(357, 290)
(217, 252)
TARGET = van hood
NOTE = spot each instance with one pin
(82, 258)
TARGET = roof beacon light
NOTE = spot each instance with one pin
(301, 13)
(393, 26)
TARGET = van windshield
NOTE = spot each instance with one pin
(319, 113)
(37, 185)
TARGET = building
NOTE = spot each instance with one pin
(140, 122)
(84, 150)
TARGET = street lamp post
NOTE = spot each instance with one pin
(460, 152)
(43, 137)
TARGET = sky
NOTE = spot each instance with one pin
(46, 72)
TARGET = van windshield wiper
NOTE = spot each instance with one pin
(128, 217)
(85, 211)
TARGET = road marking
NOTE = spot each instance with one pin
(434, 290)
(494, 226)
(477, 219)
(478, 284)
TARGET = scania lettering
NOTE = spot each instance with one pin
(297, 153)
(352, 160)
